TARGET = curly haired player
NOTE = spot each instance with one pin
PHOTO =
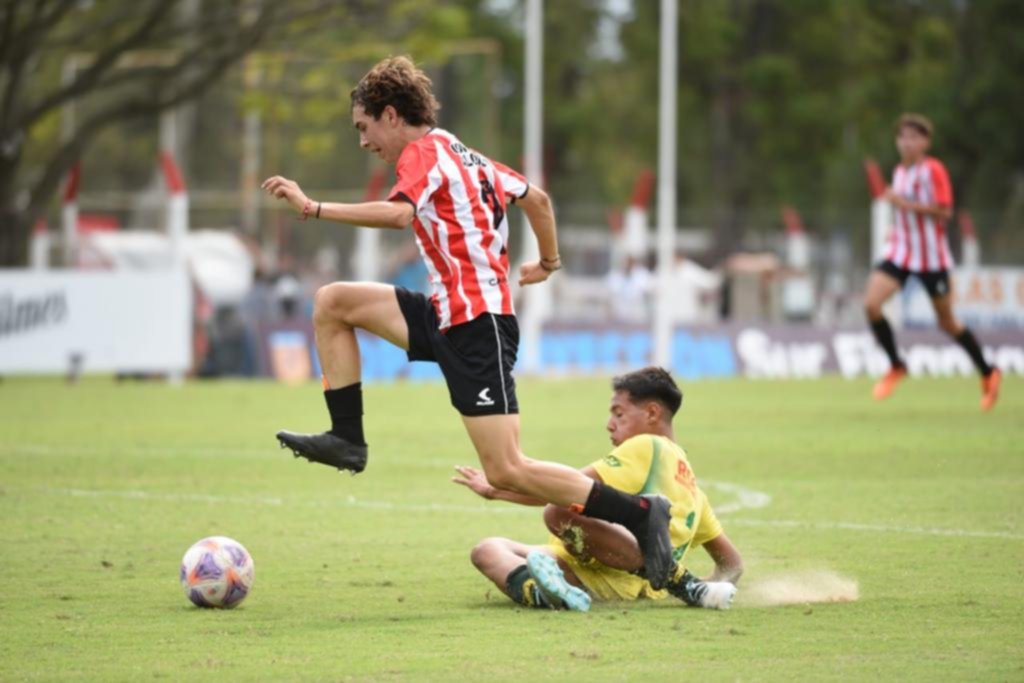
(455, 198)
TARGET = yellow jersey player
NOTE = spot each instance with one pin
(589, 559)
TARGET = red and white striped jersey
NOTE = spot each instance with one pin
(917, 242)
(460, 197)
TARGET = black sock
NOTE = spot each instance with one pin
(522, 588)
(612, 505)
(884, 337)
(346, 408)
(969, 344)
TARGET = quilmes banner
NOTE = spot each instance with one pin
(95, 321)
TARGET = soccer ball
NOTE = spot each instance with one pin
(217, 572)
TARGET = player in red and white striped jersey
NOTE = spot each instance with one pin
(456, 199)
(922, 200)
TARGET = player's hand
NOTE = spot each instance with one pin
(286, 189)
(474, 480)
(893, 198)
(719, 595)
(531, 272)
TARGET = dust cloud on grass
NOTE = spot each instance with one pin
(798, 588)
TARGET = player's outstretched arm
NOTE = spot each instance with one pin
(476, 481)
(728, 562)
(386, 214)
(537, 206)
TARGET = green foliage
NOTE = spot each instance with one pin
(779, 100)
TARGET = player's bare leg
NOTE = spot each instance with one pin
(990, 376)
(610, 544)
(881, 286)
(496, 439)
(340, 309)
(505, 563)
(613, 546)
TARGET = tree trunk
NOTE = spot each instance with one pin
(15, 229)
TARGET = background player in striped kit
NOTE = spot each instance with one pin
(922, 200)
(455, 198)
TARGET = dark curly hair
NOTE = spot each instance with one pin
(397, 82)
(650, 384)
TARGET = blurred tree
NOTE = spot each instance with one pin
(779, 101)
(187, 53)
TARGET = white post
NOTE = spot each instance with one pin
(177, 213)
(881, 220)
(177, 202)
(881, 223)
(366, 256)
(537, 297)
(251, 129)
(69, 216)
(667, 87)
(970, 250)
(39, 250)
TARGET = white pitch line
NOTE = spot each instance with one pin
(747, 499)
(877, 528)
(228, 452)
(353, 502)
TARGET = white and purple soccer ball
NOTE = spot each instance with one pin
(217, 572)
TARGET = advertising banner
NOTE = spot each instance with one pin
(798, 351)
(95, 321)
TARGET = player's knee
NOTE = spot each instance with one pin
(482, 552)
(556, 518)
(329, 304)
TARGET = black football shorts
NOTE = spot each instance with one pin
(476, 358)
(935, 281)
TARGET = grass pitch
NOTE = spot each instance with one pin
(103, 487)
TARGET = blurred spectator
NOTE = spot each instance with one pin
(629, 291)
(407, 269)
(695, 290)
(231, 352)
(287, 296)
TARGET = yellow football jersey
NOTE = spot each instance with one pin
(648, 464)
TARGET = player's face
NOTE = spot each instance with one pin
(379, 136)
(626, 419)
(911, 143)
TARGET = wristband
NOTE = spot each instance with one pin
(318, 205)
(544, 266)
